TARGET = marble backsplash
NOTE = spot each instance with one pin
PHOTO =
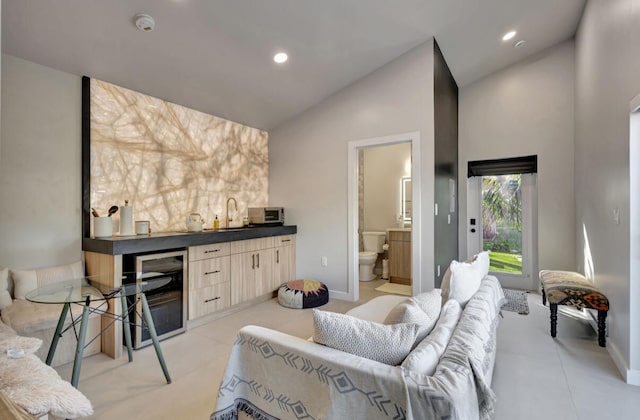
(170, 161)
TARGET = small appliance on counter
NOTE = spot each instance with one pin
(266, 215)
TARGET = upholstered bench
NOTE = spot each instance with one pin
(573, 289)
(303, 294)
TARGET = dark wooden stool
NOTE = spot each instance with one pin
(573, 289)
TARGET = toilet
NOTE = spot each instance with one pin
(373, 242)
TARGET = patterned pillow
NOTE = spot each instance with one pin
(388, 344)
(425, 357)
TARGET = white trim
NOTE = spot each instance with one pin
(413, 138)
(336, 294)
(630, 376)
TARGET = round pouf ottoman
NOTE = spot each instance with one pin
(303, 294)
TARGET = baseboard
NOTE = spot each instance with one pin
(333, 294)
(631, 376)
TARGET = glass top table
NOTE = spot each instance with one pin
(83, 291)
(79, 289)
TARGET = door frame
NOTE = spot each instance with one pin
(528, 279)
(413, 138)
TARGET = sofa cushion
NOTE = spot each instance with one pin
(5, 295)
(388, 344)
(422, 309)
(466, 277)
(28, 317)
(376, 309)
(25, 281)
(425, 357)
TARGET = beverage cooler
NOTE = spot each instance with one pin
(162, 277)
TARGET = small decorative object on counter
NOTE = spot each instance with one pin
(142, 227)
(216, 223)
(126, 219)
(245, 221)
(102, 227)
(194, 222)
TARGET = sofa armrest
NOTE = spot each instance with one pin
(270, 373)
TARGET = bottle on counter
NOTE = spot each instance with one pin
(216, 223)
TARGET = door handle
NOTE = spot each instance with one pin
(277, 256)
(258, 259)
(211, 272)
(253, 261)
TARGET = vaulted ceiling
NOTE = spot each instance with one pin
(216, 55)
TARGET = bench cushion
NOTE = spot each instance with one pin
(573, 289)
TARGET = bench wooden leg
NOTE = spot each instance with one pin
(602, 317)
(554, 317)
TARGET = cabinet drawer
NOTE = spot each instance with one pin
(208, 272)
(285, 240)
(205, 300)
(208, 251)
(251, 245)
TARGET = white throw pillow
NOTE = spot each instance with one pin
(425, 357)
(445, 286)
(422, 309)
(388, 344)
(5, 296)
(466, 278)
(25, 281)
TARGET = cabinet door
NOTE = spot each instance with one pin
(284, 265)
(264, 272)
(400, 257)
(208, 251)
(243, 285)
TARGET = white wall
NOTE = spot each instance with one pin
(527, 109)
(384, 166)
(607, 79)
(308, 161)
(40, 208)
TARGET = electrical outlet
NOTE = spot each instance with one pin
(324, 261)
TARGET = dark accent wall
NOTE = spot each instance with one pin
(446, 163)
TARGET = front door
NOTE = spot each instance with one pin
(503, 219)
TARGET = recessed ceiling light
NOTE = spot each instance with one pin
(508, 35)
(280, 57)
(519, 43)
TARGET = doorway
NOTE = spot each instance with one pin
(503, 219)
(410, 198)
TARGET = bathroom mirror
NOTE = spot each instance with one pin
(405, 204)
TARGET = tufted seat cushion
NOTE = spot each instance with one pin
(303, 294)
(573, 289)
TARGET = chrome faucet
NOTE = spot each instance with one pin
(228, 219)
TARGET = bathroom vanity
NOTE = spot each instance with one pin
(399, 255)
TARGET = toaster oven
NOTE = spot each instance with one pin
(266, 215)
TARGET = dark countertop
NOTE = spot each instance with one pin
(118, 245)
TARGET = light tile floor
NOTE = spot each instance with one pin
(535, 376)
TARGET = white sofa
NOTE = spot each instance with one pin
(274, 375)
(40, 320)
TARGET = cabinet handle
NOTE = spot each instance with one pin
(286, 240)
(277, 256)
(212, 299)
(211, 250)
(253, 261)
(258, 264)
(211, 272)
